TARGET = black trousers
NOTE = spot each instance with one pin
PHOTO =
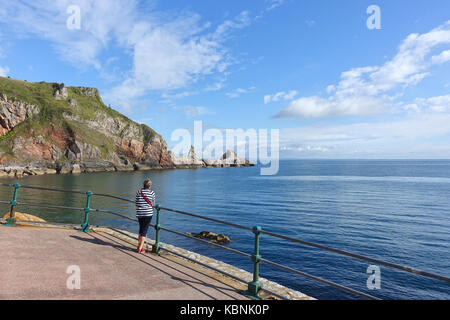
(144, 223)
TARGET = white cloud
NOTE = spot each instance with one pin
(174, 55)
(434, 104)
(274, 4)
(101, 21)
(368, 90)
(168, 51)
(4, 71)
(216, 86)
(280, 96)
(192, 111)
(441, 58)
(304, 148)
(236, 93)
(166, 60)
(270, 5)
(317, 107)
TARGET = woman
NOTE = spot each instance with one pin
(145, 201)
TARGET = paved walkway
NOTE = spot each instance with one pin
(33, 264)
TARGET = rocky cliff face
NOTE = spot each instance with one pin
(14, 112)
(51, 128)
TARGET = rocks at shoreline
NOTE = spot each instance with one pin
(190, 160)
(229, 159)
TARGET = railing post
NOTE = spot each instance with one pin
(85, 225)
(157, 246)
(255, 285)
(11, 221)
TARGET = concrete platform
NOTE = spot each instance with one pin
(34, 261)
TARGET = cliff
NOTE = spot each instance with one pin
(51, 128)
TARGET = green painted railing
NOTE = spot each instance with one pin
(255, 287)
(157, 247)
(85, 225)
(11, 219)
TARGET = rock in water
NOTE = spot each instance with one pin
(190, 160)
(213, 237)
(231, 158)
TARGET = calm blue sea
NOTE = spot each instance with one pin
(393, 210)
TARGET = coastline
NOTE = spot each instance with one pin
(24, 171)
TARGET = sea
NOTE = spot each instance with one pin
(397, 211)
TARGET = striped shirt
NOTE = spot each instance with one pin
(143, 209)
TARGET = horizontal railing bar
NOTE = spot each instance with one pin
(208, 242)
(210, 219)
(6, 185)
(110, 196)
(43, 205)
(114, 213)
(329, 283)
(356, 256)
(69, 191)
(53, 189)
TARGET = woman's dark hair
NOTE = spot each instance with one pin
(147, 183)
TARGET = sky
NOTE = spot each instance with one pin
(337, 80)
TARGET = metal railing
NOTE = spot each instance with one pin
(255, 287)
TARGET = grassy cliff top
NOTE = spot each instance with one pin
(41, 94)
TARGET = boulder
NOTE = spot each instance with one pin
(124, 168)
(60, 91)
(63, 168)
(232, 159)
(24, 217)
(213, 237)
(76, 169)
(211, 163)
(73, 103)
(50, 171)
(90, 92)
(190, 160)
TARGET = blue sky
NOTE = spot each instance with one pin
(312, 69)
